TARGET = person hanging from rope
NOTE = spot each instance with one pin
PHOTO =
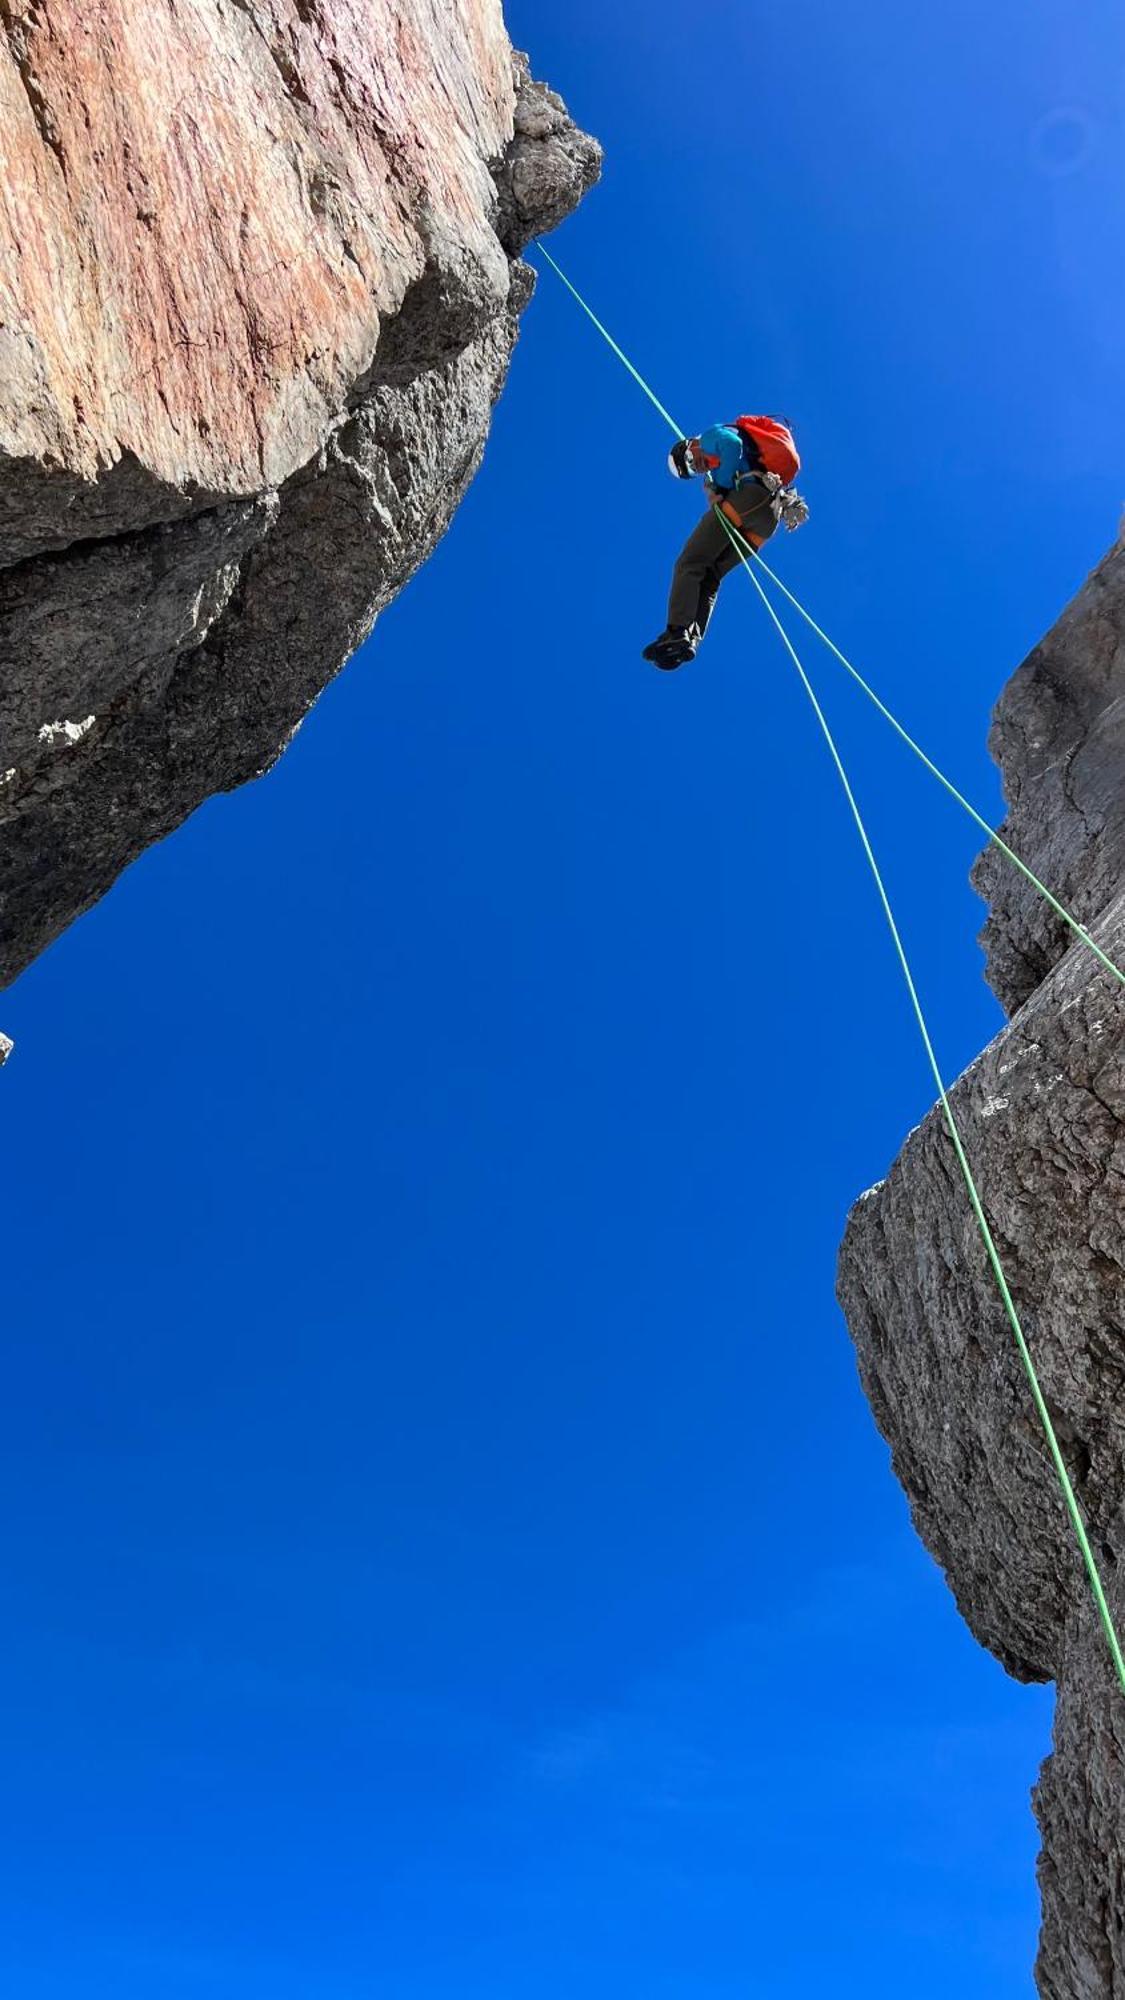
(747, 468)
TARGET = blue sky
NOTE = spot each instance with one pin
(447, 1551)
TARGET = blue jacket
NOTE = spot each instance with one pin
(723, 444)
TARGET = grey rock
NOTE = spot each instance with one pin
(1042, 1116)
(547, 168)
(80, 628)
(46, 507)
(1079, 1807)
(1058, 735)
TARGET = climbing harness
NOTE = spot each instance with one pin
(751, 561)
(729, 512)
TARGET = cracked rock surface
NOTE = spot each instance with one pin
(260, 282)
(1058, 736)
(1042, 1114)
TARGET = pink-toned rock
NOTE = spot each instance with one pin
(259, 287)
(209, 207)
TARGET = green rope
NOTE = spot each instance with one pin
(745, 555)
(608, 337)
(978, 818)
(997, 839)
(744, 552)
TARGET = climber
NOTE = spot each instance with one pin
(747, 467)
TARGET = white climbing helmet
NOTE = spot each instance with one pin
(681, 459)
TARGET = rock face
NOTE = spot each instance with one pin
(1042, 1113)
(1059, 738)
(259, 287)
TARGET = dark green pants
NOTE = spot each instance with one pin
(709, 554)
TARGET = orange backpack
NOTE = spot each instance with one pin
(770, 446)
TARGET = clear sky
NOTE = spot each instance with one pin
(447, 1553)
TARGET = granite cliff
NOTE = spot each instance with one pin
(1042, 1112)
(260, 281)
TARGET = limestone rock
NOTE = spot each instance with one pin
(259, 287)
(1042, 1114)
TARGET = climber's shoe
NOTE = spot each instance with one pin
(673, 648)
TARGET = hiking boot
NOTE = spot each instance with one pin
(674, 646)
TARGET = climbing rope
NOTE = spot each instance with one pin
(997, 839)
(608, 337)
(750, 561)
(888, 715)
(987, 1237)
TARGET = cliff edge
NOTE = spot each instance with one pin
(1042, 1113)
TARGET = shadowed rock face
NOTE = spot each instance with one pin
(1058, 736)
(1042, 1113)
(259, 288)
